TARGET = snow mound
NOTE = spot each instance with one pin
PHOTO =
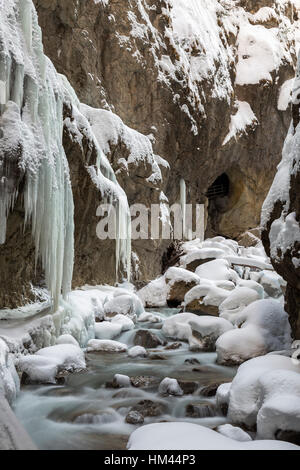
(107, 330)
(205, 294)
(245, 396)
(236, 301)
(200, 331)
(44, 366)
(125, 304)
(99, 345)
(137, 351)
(217, 270)
(155, 293)
(174, 275)
(187, 436)
(233, 432)
(9, 380)
(67, 339)
(170, 387)
(263, 327)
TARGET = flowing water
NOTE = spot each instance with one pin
(87, 413)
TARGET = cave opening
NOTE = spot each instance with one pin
(219, 188)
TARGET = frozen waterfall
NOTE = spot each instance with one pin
(31, 120)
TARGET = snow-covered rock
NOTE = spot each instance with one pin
(280, 403)
(200, 331)
(236, 301)
(125, 304)
(123, 321)
(9, 380)
(233, 432)
(180, 281)
(205, 298)
(272, 283)
(122, 381)
(99, 345)
(263, 327)
(107, 330)
(170, 387)
(137, 351)
(67, 339)
(222, 397)
(155, 293)
(245, 396)
(217, 270)
(47, 363)
(149, 317)
(188, 436)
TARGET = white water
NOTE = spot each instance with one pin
(84, 414)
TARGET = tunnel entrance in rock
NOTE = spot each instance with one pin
(220, 187)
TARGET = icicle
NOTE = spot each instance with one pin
(32, 126)
(183, 205)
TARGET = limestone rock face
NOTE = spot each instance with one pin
(203, 109)
(281, 216)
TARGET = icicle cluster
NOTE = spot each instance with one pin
(31, 120)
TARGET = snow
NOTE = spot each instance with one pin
(44, 366)
(170, 387)
(97, 345)
(174, 275)
(150, 317)
(107, 330)
(280, 398)
(124, 303)
(137, 351)
(9, 380)
(236, 301)
(217, 270)
(263, 327)
(182, 325)
(285, 230)
(223, 394)
(209, 294)
(260, 52)
(241, 121)
(155, 293)
(122, 380)
(67, 339)
(122, 320)
(188, 436)
(245, 398)
(233, 432)
(285, 95)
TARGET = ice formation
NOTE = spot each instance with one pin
(31, 145)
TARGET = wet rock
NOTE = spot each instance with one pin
(288, 436)
(200, 410)
(157, 357)
(134, 417)
(210, 390)
(143, 381)
(26, 380)
(188, 387)
(192, 361)
(149, 408)
(173, 346)
(147, 339)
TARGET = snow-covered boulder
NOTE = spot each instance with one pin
(67, 339)
(236, 301)
(137, 351)
(124, 303)
(272, 283)
(222, 397)
(121, 381)
(199, 256)
(217, 270)
(45, 365)
(263, 327)
(188, 436)
(123, 321)
(100, 345)
(205, 298)
(9, 380)
(200, 331)
(170, 387)
(149, 317)
(180, 281)
(107, 330)
(155, 293)
(233, 432)
(245, 396)
(280, 399)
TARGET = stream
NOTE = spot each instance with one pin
(86, 413)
